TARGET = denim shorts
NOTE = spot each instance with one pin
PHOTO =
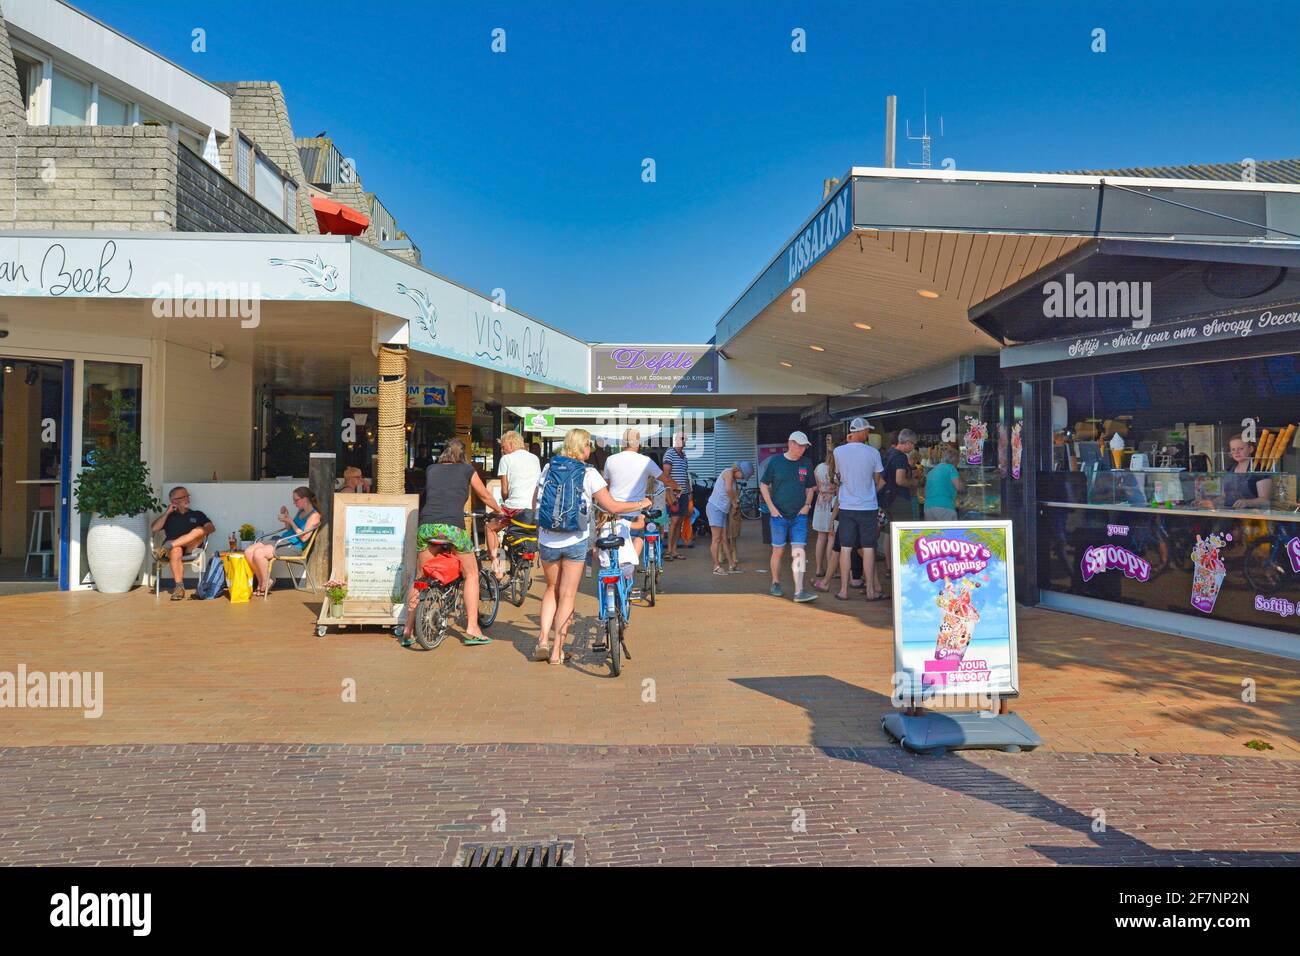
(574, 552)
(795, 529)
(717, 517)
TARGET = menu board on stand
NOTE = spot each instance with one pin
(373, 553)
(955, 637)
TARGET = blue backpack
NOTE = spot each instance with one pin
(561, 499)
(213, 581)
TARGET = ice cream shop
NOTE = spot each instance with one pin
(1160, 389)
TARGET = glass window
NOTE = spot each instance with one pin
(242, 151)
(29, 84)
(269, 189)
(299, 425)
(112, 111)
(69, 101)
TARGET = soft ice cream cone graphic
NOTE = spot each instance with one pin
(1208, 572)
(973, 440)
(1015, 450)
(957, 626)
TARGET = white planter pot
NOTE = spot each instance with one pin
(115, 551)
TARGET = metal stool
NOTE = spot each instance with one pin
(37, 539)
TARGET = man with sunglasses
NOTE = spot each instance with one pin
(183, 530)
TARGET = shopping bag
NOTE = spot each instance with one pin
(239, 578)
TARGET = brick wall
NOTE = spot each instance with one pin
(206, 201)
(259, 111)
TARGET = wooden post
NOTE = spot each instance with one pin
(320, 477)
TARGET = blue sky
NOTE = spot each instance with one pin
(523, 170)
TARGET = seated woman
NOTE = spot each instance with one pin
(1241, 487)
(289, 542)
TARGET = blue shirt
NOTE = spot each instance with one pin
(940, 492)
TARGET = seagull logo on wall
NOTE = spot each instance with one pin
(315, 272)
(427, 316)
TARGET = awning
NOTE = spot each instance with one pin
(336, 219)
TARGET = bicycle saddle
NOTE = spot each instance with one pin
(610, 542)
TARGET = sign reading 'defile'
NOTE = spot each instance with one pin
(654, 369)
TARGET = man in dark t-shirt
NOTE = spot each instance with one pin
(184, 529)
(788, 485)
(898, 477)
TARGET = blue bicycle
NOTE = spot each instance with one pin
(652, 559)
(614, 596)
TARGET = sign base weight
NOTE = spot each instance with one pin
(936, 733)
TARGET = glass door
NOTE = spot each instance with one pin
(33, 471)
(101, 383)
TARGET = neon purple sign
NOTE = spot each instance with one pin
(1110, 557)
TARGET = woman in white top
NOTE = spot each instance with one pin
(822, 524)
(564, 553)
(725, 497)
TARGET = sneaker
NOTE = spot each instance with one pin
(775, 590)
(804, 596)
(178, 593)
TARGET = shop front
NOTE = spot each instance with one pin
(1161, 452)
(959, 405)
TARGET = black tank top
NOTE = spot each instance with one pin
(445, 489)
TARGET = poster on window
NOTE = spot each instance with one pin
(954, 609)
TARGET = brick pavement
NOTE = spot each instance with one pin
(375, 804)
(730, 666)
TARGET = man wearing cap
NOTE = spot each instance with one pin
(788, 487)
(860, 471)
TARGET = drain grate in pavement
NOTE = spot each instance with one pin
(514, 854)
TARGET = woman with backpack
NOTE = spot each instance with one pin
(566, 493)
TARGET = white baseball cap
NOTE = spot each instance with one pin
(859, 425)
(799, 438)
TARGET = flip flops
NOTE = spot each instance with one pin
(475, 641)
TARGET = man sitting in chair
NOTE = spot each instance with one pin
(183, 530)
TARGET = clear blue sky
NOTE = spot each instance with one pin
(523, 170)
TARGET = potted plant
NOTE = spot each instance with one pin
(338, 592)
(114, 489)
(247, 533)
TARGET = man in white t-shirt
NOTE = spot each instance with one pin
(860, 471)
(519, 472)
(628, 472)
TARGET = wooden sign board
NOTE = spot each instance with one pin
(373, 550)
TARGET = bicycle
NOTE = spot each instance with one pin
(652, 558)
(1270, 560)
(614, 595)
(749, 502)
(519, 540)
(440, 601)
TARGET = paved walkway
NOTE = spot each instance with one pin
(263, 804)
(728, 665)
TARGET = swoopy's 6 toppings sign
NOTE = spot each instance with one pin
(951, 557)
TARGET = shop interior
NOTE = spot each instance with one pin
(1163, 437)
(31, 412)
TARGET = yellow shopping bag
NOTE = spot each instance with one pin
(239, 577)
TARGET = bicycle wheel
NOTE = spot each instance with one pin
(432, 616)
(614, 637)
(651, 589)
(518, 583)
(749, 505)
(489, 597)
(1265, 566)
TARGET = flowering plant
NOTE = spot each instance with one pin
(247, 532)
(337, 590)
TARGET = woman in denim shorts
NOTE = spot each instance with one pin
(564, 553)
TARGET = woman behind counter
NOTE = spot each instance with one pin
(1241, 487)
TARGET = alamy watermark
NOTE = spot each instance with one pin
(75, 690)
(191, 299)
(1085, 299)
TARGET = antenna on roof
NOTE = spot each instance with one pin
(925, 137)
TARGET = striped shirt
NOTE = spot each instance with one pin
(675, 464)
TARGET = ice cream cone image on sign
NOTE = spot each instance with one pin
(1208, 572)
(1015, 450)
(1117, 449)
(958, 623)
(976, 432)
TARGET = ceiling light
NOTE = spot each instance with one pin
(927, 294)
(862, 325)
(817, 348)
(787, 365)
(8, 368)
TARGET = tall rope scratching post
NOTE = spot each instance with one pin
(391, 468)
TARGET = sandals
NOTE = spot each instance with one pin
(563, 660)
(476, 641)
(541, 652)
(718, 571)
